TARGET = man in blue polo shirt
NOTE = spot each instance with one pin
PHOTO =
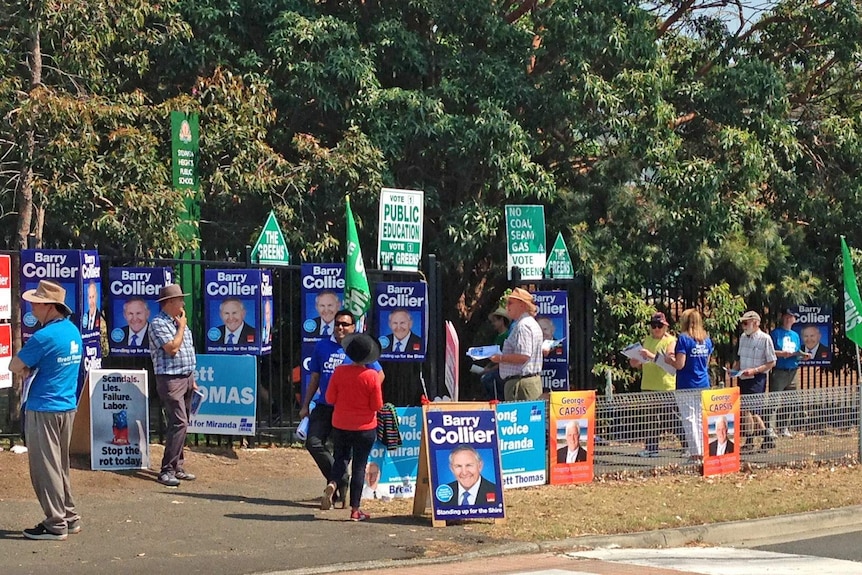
(328, 354)
(48, 363)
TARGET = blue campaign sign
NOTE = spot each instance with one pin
(133, 293)
(60, 266)
(464, 457)
(233, 304)
(91, 296)
(266, 317)
(228, 385)
(322, 296)
(401, 312)
(523, 441)
(392, 474)
(814, 326)
(553, 318)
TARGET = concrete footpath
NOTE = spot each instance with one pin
(259, 525)
(257, 511)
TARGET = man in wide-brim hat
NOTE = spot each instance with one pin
(49, 364)
(521, 359)
(173, 353)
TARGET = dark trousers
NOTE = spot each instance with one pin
(357, 444)
(319, 430)
(176, 392)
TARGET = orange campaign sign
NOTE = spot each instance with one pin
(572, 429)
(720, 416)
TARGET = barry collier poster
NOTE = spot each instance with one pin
(719, 416)
(572, 429)
(814, 326)
(401, 319)
(119, 419)
(227, 402)
(133, 293)
(60, 266)
(91, 296)
(322, 296)
(553, 318)
(233, 305)
(391, 474)
(521, 425)
(464, 456)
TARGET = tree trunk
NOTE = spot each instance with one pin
(25, 189)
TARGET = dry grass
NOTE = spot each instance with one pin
(647, 503)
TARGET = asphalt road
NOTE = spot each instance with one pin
(835, 546)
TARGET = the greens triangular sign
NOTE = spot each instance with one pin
(271, 248)
(559, 264)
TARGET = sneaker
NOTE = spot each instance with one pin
(786, 433)
(359, 515)
(168, 480)
(183, 476)
(326, 500)
(73, 527)
(647, 453)
(770, 433)
(39, 532)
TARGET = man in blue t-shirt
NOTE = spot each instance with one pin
(49, 363)
(788, 350)
(328, 354)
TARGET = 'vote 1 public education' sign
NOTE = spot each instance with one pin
(400, 231)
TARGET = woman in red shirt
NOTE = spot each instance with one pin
(354, 391)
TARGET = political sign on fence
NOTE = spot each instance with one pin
(521, 425)
(401, 312)
(227, 402)
(133, 294)
(233, 306)
(91, 296)
(119, 419)
(719, 416)
(322, 295)
(271, 249)
(5, 355)
(553, 318)
(525, 235)
(60, 266)
(391, 474)
(814, 326)
(399, 244)
(559, 264)
(572, 432)
(5, 286)
(464, 458)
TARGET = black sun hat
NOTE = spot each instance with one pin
(361, 348)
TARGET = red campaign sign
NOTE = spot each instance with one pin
(5, 287)
(5, 355)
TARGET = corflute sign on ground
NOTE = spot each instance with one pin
(133, 293)
(464, 455)
(234, 308)
(119, 419)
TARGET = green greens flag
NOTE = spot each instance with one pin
(357, 296)
(852, 303)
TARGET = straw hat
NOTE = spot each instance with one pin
(523, 295)
(48, 292)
